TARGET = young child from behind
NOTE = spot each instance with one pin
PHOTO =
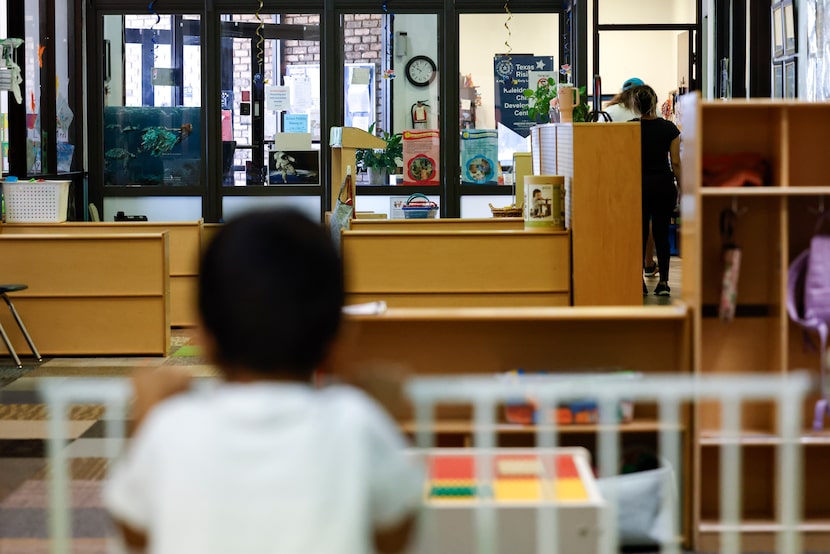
(264, 462)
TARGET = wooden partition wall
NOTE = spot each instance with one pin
(185, 247)
(91, 294)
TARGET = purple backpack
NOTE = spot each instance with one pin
(808, 303)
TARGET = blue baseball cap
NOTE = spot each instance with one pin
(633, 82)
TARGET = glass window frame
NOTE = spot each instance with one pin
(448, 12)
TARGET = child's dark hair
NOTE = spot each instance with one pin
(645, 100)
(270, 292)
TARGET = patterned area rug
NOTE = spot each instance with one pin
(24, 471)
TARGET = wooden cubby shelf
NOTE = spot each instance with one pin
(774, 225)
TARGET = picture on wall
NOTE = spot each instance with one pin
(294, 167)
(778, 80)
(790, 80)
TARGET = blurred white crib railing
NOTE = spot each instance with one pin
(670, 393)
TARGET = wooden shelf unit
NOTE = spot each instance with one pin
(601, 166)
(773, 226)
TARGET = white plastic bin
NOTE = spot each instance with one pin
(36, 202)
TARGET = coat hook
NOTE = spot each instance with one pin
(736, 209)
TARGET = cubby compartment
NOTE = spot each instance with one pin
(806, 146)
(740, 127)
(757, 489)
(816, 487)
(758, 232)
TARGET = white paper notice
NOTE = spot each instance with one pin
(301, 95)
(361, 76)
(277, 98)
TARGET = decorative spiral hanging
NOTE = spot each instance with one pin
(151, 8)
(390, 41)
(260, 53)
(507, 26)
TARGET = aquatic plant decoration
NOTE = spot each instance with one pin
(161, 140)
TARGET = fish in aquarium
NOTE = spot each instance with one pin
(161, 140)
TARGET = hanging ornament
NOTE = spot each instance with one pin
(151, 8)
(260, 52)
(507, 26)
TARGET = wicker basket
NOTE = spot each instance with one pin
(418, 206)
(36, 202)
(508, 211)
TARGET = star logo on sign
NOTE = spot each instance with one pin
(540, 64)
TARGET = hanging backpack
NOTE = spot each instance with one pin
(808, 303)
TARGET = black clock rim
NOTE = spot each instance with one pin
(412, 60)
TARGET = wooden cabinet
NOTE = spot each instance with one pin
(603, 206)
(773, 226)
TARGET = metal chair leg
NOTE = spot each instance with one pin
(22, 328)
(10, 347)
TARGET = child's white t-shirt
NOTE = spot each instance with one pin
(265, 468)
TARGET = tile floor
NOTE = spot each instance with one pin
(675, 283)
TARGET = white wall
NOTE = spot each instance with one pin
(422, 30)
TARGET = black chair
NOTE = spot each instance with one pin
(14, 288)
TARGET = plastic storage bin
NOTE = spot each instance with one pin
(36, 202)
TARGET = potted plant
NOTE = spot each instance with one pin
(542, 99)
(380, 162)
(539, 100)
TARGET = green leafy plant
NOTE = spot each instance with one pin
(390, 157)
(581, 110)
(539, 100)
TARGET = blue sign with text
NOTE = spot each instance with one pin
(511, 80)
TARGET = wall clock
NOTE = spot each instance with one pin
(420, 71)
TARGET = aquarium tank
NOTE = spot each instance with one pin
(152, 146)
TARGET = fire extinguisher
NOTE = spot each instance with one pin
(420, 114)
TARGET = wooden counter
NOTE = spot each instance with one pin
(457, 268)
(185, 249)
(454, 224)
(90, 294)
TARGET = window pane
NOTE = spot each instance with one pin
(789, 29)
(271, 99)
(152, 115)
(645, 11)
(65, 70)
(4, 98)
(391, 83)
(777, 32)
(35, 149)
(492, 82)
(656, 64)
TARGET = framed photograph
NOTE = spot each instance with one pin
(777, 31)
(294, 167)
(790, 43)
(790, 80)
(778, 80)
